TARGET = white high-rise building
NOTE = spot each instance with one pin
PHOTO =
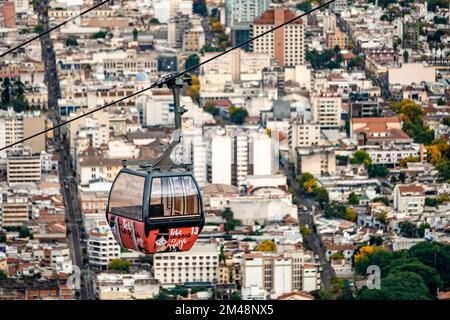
(199, 264)
(302, 133)
(327, 110)
(238, 11)
(102, 247)
(280, 273)
(236, 155)
(221, 159)
(158, 109)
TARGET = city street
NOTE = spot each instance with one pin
(312, 240)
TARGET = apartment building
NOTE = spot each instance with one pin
(378, 131)
(157, 108)
(303, 132)
(97, 167)
(337, 38)
(327, 110)
(194, 38)
(117, 286)
(200, 264)
(316, 160)
(230, 272)
(338, 6)
(176, 29)
(15, 126)
(15, 210)
(129, 63)
(409, 199)
(287, 45)
(102, 247)
(9, 14)
(243, 11)
(23, 169)
(279, 274)
(233, 157)
(392, 154)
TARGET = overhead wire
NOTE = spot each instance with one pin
(168, 78)
(57, 26)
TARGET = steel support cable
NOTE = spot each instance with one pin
(171, 77)
(53, 28)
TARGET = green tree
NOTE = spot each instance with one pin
(135, 34)
(210, 107)
(235, 296)
(39, 28)
(192, 61)
(238, 115)
(154, 21)
(304, 6)
(13, 95)
(405, 56)
(436, 255)
(120, 265)
(341, 160)
(322, 197)
(99, 35)
(2, 275)
(377, 171)
(361, 157)
(428, 274)
(399, 286)
(199, 7)
(422, 228)
(353, 198)
(407, 229)
(71, 42)
(384, 200)
(24, 232)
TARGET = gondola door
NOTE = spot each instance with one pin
(125, 211)
(175, 212)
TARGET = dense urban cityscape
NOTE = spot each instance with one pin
(321, 148)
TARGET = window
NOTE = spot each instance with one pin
(174, 196)
(126, 196)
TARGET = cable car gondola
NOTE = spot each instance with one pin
(157, 207)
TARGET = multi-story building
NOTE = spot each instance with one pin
(362, 105)
(230, 272)
(194, 39)
(116, 286)
(244, 11)
(157, 108)
(338, 5)
(337, 38)
(234, 157)
(302, 133)
(378, 131)
(129, 63)
(279, 274)
(287, 45)
(23, 169)
(392, 154)
(15, 211)
(16, 126)
(316, 160)
(9, 14)
(327, 110)
(176, 28)
(102, 247)
(409, 199)
(199, 264)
